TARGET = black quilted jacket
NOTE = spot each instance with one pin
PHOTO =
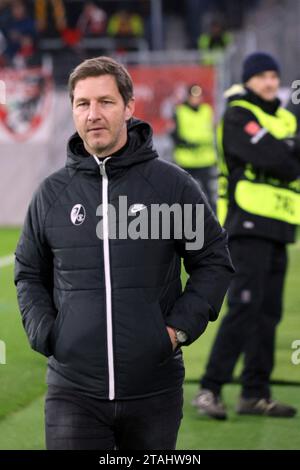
(98, 307)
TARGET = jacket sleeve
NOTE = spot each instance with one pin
(245, 140)
(209, 267)
(34, 278)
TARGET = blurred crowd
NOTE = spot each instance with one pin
(198, 14)
(25, 24)
(29, 28)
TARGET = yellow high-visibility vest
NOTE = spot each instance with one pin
(255, 192)
(214, 55)
(196, 127)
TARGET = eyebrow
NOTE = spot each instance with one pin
(104, 97)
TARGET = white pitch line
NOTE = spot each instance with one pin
(7, 261)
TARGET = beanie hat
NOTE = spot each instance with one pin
(258, 62)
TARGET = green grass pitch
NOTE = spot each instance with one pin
(22, 379)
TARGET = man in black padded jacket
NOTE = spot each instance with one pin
(109, 311)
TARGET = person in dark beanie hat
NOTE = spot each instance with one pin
(257, 63)
(260, 166)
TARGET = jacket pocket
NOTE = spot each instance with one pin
(165, 340)
(57, 327)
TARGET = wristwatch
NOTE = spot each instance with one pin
(180, 336)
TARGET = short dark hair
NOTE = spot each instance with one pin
(98, 66)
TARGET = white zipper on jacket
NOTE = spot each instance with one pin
(109, 328)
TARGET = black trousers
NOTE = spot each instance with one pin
(254, 310)
(75, 421)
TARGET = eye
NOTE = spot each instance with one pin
(82, 104)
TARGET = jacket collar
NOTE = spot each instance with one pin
(138, 149)
(269, 107)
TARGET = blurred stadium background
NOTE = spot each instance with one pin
(163, 43)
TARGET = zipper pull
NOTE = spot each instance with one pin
(101, 164)
(102, 168)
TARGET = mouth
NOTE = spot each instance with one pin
(97, 129)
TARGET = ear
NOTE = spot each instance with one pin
(129, 109)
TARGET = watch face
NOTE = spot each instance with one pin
(181, 336)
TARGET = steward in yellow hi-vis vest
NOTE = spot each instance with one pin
(265, 187)
(194, 141)
(259, 161)
(213, 44)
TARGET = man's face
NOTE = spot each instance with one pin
(195, 96)
(265, 85)
(195, 100)
(100, 114)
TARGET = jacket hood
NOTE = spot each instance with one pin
(138, 149)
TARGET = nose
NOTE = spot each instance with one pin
(94, 112)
